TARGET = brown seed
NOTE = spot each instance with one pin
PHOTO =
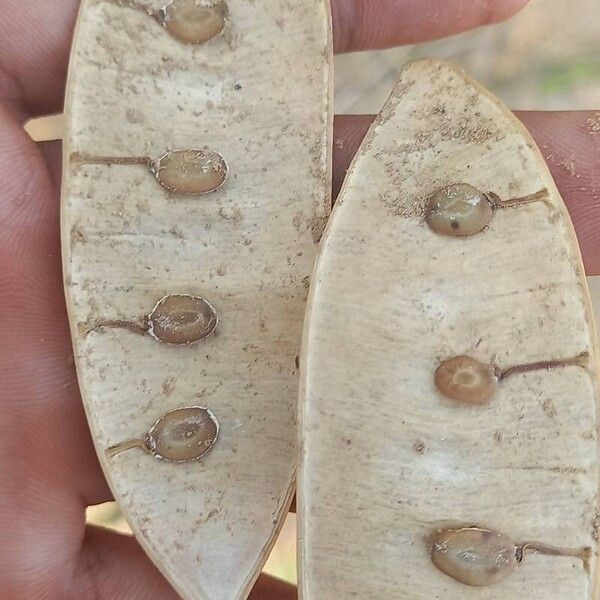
(182, 435)
(194, 21)
(191, 172)
(185, 434)
(473, 556)
(465, 379)
(459, 210)
(176, 319)
(182, 320)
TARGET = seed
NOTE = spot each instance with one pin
(182, 435)
(182, 320)
(474, 556)
(191, 172)
(176, 319)
(188, 172)
(460, 210)
(465, 379)
(479, 557)
(189, 21)
(193, 21)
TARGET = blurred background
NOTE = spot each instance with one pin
(548, 58)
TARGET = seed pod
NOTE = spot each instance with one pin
(473, 556)
(215, 96)
(194, 21)
(182, 319)
(465, 379)
(191, 172)
(459, 210)
(387, 295)
(182, 435)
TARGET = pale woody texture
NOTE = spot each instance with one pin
(386, 458)
(258, 94)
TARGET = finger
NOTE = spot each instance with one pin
(37, 37)
(52, 153)
(114, 567)
(269, 588)
(365, 24)
(348, 134)
(570, 142)
(44, 436)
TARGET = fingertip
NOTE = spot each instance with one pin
(570, 143)
(270, 588)
(349, 132)
(496, 11)
(112, 565)
(364, 25)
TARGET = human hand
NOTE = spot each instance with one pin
(49, 469)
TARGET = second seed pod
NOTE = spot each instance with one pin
(448, 369)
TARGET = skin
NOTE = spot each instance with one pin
(49, 468)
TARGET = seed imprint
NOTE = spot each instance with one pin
(188, 21)
(479, 557)
(182, 320)
(467, 380)
(194, 21)
(191, 172)
(175, 320)
(181, 435)
(186, 172)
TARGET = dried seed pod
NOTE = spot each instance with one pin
(474, 556)
(468, 380)
(461, 210)
(182, 319)
(191, 172)
(194, 21)
(465, 379)
(379, 254)
(182, 435)
(259, 269)
(187, 172)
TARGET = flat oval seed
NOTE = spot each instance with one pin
(465, 379)
(182, 320)
(185, 434)
(192, 172)
(458, 210)
(474, 556)
(194, 21)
